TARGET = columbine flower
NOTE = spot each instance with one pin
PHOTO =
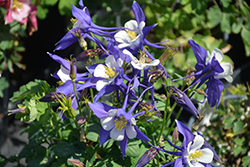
(67, 87)
(19, 10)
(195, 151)
(133, 37)
(117, 123)
(140, 64)
(209, 69)
(84, 28)
(108, 72)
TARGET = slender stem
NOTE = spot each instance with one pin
(173, 124)
(165, 113)
(54, 120)
(79, 106)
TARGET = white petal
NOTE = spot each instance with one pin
(63, 74)
(100, 71)
(110, 61)
(207, 156)
(123, 45)
(137, 65)
(107, 123)
(130, 131)
(195, 164)
(119, 62)
(117, 135)
(112, 112)
(228, 71)
(155, 62)
(141, 26)
(122, 37)
(197, 143)
(218, 54)
(133, 58)
(100, 84)
(133, 121)
(132, 25)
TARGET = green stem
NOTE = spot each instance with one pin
(165, 113)
(79, 106)
(54, 120)
(173, 124)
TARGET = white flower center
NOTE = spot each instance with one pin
(120, 122)
(195, 155)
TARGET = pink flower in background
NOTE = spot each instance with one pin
(20, 10)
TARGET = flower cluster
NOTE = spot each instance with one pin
(127, 74)
(20, 10)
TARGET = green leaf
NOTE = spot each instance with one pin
(50, 2)
(214, 16)
(33, 110)
(65, 6)
(237, 150)
(238, 125)
(225, 3)
(228, 122)
(92, 136)
(244, 10)
(240, 141)
(246, 161)
(245, 35)
(236, 27)
(133, 149)
(199, 6)
(41, 12)
(4, 85)
(6, 45)
(225, 25)
(64, 149)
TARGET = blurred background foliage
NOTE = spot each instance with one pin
(222, 24)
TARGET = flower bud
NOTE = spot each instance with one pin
(147, 157)
(76, 162)
(72, 71)
(175, 135)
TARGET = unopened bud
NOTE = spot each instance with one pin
(72, 71)
(76, 162)
(16, 111)
(147, 157)
(81, 120)
(175, 135)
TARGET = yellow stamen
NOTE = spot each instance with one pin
(110, 72)
(131, 34)
(120, 122)
(73, 21)
(195, 155)
(17, 5)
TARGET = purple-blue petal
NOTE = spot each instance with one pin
(67, 40)
(213, 91)
(103, 135)
(138, 12)
(123, 145)
(187, 134)
(140, 135)
(100, 109)
(199, 52)
(107, 89)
